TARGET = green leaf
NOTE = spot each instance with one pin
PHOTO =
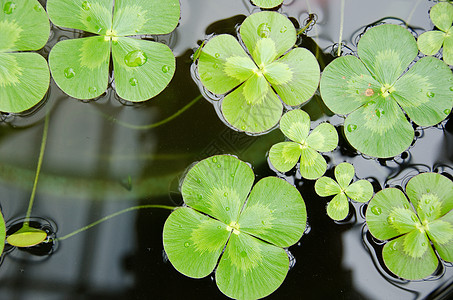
(135, 81)
(223, 64)
(447, 52)
(295, 124)
(344, 173)
(26, 237)
(275, 212)
(136, 17)
(193, 242)
(425, 92)
(268, 24)
(442, 15)
(284, 156)
(387, 50)
(94, 16)
(254, 118)
(379, 129)
(338, 207)
(312, 164)
(251, 268)
(300, 79)
(267, 3)
(24, 80)
(264, 52)
(360, 191)
(389, 214)
(80, 67)
(2, 233)
(346, 84)
(441, 234)
(431, 194)
(397, 256)
(429, 42)
(326, 186)
(255, 89)
(323, 138)
(218, 186)
(24, 26)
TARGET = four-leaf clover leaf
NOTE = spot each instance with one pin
(257, 82)
(373, 90)
(24, 76)
(267, 3)
(412, 233)
(338, 207)
(242, 231)
(142, 68)
(295, 125)
(430, 42)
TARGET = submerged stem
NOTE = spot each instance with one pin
(340, 38)
(38, 170)
(114, 215)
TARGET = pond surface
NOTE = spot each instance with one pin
(102, 157)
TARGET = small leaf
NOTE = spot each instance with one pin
(267, 3)
(408, 266)
(312, 164)
(440, 232)
(2, 233)
(448, 48)
(255, 89)
(135, 81)
(344, 173)
(251, 268)
(284, 156)
(295, 124)
(275, 212)
(323, 138)
(442, 15)
(338, 207)
(136, 17)
(264, 52)
(429, 42)
(193, 242)
(26, 237)
(218, 186)
(326, 186)
(360, 191)
(223, 64)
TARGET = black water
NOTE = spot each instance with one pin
(94, 166)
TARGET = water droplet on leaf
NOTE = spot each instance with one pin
(264, 30)
(200, 196)
(391, 219)
(186, 244)
(214, 159)
(37, 8)
(133, 81)
(352, 127)
(414, 218)
(92, 90)
(198, 180)
(219, 166)
(88, 19)
(86, 5)
(165, 69)
(283, 29)
(135, 58)
(243, 127)
(225, 194)
(447, 111)
(219, 227)
(9, 7)
(376, 210)
(430, 94)
(451, 88)
(227, 208)
(216, 66)
(69, 73)
(217, 55)
(243, 253)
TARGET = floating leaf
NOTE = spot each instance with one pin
(338, 207)
(2, 233)
(142, 68)
(373, 88)
(267, 3)
(24, 77)
(254, 230)
(26, 237)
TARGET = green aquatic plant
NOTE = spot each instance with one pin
(257, 84)
(2, 233)
(430, 42)
(24, 76)
(374, 88)
(142, 68)
(414, 228)
(303, 147)
(338, 207)
(242, 232)
(267, 3)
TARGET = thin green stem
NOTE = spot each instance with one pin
(38, 170)
(112, 216)
(154, 125)
(305, 27)
(340, 38)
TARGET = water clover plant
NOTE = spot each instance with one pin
(241, 232)
(2, 233)
(267, 3)
(374, 89)
(303, 146)
(338, 207)
(430, 42)
(413, 228)
(256, 82)
(142, 68)
(24, 76)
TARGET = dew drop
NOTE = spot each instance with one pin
(219, 166)
(217, 55)
(352, 127)
(133, 81)
(92, 90)
(430, 94)
(200, 196)
(88, 19)
(219, 227)
(376, 210)
(135, 58)
(423, 244)
(232, 175)
(165, 69)
(243, 127)
(264, 30)
(9, 7)
(391, 219)
(69, 73)
(198, 180)
(86, 5)
(37, 8)
(394, 246)
(451, 88)
(447, 111)
(263, 222)
(283, 29)
(216, 66)
(427, 201)
(227, 208)
(186, 244)
(214, 159)
(243, 253)
(406, 206)
(225, 194)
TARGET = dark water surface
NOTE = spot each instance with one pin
(96, 164)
